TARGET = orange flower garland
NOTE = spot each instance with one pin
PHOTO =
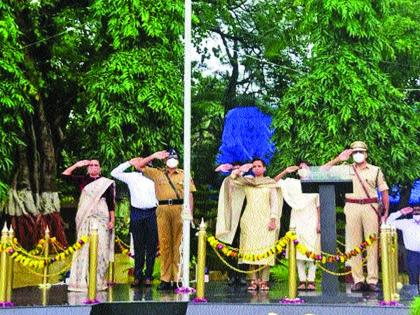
(280, 246)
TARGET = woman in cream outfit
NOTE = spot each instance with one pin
(259, 225)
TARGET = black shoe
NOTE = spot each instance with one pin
(164, 286)
(371, 287)
(358, 287)
(176, 285)
(136, 283)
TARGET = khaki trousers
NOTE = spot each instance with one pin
(361, 221)
(169, 223)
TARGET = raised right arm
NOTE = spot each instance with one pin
(68, 171)
(119, 174)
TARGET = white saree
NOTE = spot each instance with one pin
(92, 211)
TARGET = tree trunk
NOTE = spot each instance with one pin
(33, 202)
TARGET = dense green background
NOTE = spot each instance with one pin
(103, 79)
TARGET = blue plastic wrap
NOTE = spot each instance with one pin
(246, 135)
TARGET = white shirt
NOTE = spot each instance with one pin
(142, 189)
(410, 230)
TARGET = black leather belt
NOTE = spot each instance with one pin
(171, 202)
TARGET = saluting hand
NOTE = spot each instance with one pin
(292, 169)
(345, 155)
(406, 210)
(246, 167)
(160, 155)
(136, 162)
(223, 167)
(82, 163)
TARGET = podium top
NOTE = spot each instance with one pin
(335, 174)
(340, 176)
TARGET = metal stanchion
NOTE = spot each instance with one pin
(93, 264)
(395, 296)
(45, 283)
(392, 257)
(44, 296)
(292, 283)
(292, 267)
(4, 264)
(10, 268)
(385, 241)
(111, 273)
(201, 264)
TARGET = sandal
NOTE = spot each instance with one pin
(311, 286)
(253, 286)
(302, 286)
(264, 286)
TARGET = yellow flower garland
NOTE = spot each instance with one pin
(30, 259)
(280, 246)
(123, 247)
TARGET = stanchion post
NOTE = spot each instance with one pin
(391, 257)
(111, 273)
(45, 283)
(394, 234)
(10, 268)
(93, 262)
(3, 266)
(385, 237)
(292, 266)
(201, 263)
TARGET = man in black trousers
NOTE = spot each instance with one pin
(143, 223)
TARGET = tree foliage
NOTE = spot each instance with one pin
(345, 95)
(88, 79)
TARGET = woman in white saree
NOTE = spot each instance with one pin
(95, 210)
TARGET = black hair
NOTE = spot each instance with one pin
(258, 159)
(300, 160)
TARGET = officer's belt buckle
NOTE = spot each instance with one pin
(170, 202)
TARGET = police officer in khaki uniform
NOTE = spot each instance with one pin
(169, 185)
(363, 214)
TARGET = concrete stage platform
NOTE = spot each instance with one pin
(222, 299)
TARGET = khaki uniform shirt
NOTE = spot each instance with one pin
(163, 188)
(373, 179)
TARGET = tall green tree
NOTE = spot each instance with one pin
(345, 95)
(89, 79)
(240, 32)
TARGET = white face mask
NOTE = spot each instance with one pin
(303, 172)
(172, 163)
(359, 157)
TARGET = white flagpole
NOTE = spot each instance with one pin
(186, 215)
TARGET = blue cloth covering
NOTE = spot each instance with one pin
(246, 135)
(395, 196)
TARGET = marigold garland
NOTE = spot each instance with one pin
(123, 248)
(280, 245)
(30, 259)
